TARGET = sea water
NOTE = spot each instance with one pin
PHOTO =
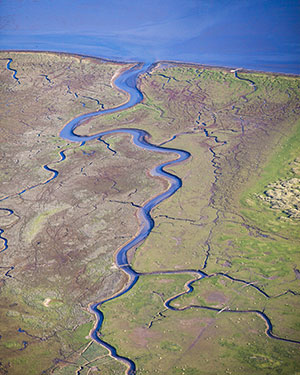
(254, 34)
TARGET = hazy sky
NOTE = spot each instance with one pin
(252, 32)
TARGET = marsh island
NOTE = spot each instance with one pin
(217, 287)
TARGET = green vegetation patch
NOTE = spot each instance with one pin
(280, 166)
(37, 223)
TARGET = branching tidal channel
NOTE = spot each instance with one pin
(127, 82)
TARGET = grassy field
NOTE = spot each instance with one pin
(62, 235)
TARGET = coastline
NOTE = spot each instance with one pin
(156, 62)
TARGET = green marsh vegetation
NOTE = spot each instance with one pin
(213, 214)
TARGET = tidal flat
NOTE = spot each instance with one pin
(59, 235)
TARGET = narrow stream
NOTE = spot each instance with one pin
(13, 70)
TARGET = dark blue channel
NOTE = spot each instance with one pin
(13, 70)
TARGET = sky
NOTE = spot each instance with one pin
(257, 34)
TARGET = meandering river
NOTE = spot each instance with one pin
(127, 82)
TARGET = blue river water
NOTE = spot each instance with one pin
(127, 82)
